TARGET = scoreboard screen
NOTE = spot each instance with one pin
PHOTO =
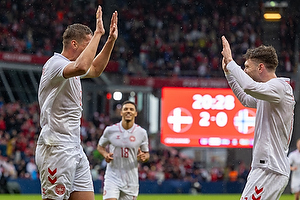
(205, 117)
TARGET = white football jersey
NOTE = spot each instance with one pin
(60, 104)
(274, 119)
(124, 144)
(294, 158)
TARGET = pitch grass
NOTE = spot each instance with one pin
(153, 197)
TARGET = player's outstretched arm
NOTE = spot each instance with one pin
(84, 61)
(101, 60)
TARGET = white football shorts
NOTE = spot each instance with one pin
(112, 190)
(63, 169)
(295, 184)
(264, 184)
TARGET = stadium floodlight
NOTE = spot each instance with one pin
(117, 96)
(273, 10)
(272, 16)
(275, 4)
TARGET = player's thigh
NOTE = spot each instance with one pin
(79, 195)
(124, 196)
(83, 179)
(129, 193)
(295, 184)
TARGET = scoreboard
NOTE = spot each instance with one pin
(205, 117)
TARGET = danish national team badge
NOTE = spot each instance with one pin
(132, 138)
(60, 189)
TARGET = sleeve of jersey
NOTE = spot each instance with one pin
(245, 99)
(145, 144)
(271, 91)
(58, 68)
(103, 141)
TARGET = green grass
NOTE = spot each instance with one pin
(153, 197)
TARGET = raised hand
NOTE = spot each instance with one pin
(224, 65)
(99, 21)
(113, 30)
(227, 57)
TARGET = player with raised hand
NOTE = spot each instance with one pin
(127, 144)
(63, 166)
(257, 86)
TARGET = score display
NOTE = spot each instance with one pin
(205, 117)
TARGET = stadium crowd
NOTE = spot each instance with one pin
(157, 38)
(19, 128)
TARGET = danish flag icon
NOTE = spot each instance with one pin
(244, 121)
(180, 120)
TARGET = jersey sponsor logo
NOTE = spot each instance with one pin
(132, 138)
(118, 137)
(60, 189)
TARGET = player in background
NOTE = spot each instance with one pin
(257, 86)
(294, 158)
(63, 166)
(127, 144)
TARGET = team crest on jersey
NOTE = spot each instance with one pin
(132, 138)
(118, 137)
(60, 189)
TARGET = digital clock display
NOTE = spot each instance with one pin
(205, 117)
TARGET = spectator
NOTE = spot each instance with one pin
(31, 169)
(233, 174)
(150, 33)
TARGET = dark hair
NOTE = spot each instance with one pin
(130, 102)
(263, 54)
(76, 32)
